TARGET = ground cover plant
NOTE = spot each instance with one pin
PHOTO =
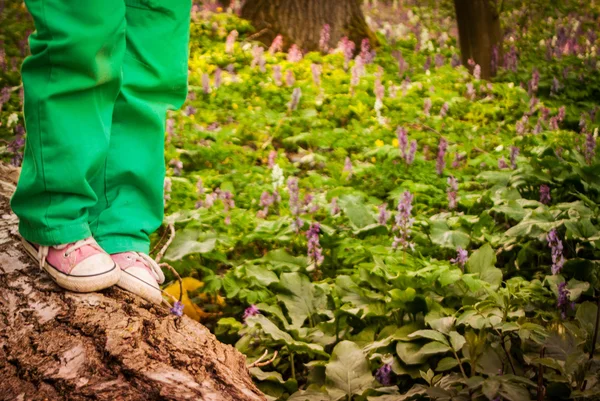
(380, 223)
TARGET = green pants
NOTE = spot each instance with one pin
(100, 79)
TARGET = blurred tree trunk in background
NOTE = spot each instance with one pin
(300, 21)
(479, 33)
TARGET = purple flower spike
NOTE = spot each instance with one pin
(250, 311)
(315, 253)
(404, 222)
(514, 152)
(452, 192)
(276, 45)
(545, 197)
(384, 374)
(441, 163)
(177, 309)
(461, 257)
(384, 215)
(563, 302)
(325, 37)
(556, 247)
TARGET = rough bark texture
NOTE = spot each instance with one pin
(479, 32)
(56, 345)
(300, 21)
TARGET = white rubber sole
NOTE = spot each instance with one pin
(90, 283)
(140, 287)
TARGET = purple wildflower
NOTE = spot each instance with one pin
(384, 374)
(365, 51)
(556, 247)
(403, 222)
(250, 311)
(562, 113)
(535, 81)
(218, 78)
(177, 309)
(277, 74)
(324, 38)
(461, 257)
(290, 79)
(410, 157)
(554, 123)
(563, 302)
(477, 71)
(522, 124)
(470, 91)
(439, 60)
(545, 197)
(455, 62)
(556, 86)
(294, 54)
(315, 253)
(427, 107)
(347, 46)
(452, 192)
(514, 152)
(272, 156)
(266, 200)
(590, 146)
(258, 58)
(495, 59)
(276, 45)
(316, 73)
(383, 215)
(296, 95)
(427, 64)
(402, 135)
(502, 163)
(348, 166)
(177, 166)
(294, 202)
(441, 163)
(230, 41)
(444, 109)
(167, 190)
(205, 83)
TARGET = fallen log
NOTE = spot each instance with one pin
(57, 345)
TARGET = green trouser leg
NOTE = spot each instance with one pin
(71, 81)
(130, 191)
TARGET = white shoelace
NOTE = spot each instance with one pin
(154, 267)
(69, 248)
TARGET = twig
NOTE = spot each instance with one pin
(259, 363)
(162, 237)
(168, 266)
(160, 254)
(255, 35)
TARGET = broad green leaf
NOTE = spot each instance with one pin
(358, 214)
(261, 274)
(443, 236)
(483, 261)
(430, 334)
(190, 241)
(446, 363)
(303, 299)
(457, 341)
(348, 370)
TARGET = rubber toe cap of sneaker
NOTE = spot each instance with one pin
(94, 265)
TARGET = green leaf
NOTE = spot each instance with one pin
(261, 274)
(483, 261)
(358, 214)
(430, 334)
(280, 336)
(457, 341)
(443, 236)
(586, 316)
(190, 241)
(303, 299)
(348, 370)
(446, 363)
(415, 354)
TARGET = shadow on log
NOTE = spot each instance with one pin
(56, 345)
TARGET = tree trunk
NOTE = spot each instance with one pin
(479, 34)
(300, 21)
(57, 345)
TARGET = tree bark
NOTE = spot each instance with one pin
(57, 345)
(479, 33)
(300, 21)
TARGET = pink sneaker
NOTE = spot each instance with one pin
(140, 274)
(80, 266)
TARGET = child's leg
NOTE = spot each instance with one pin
(71, 81)
(154, 80)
